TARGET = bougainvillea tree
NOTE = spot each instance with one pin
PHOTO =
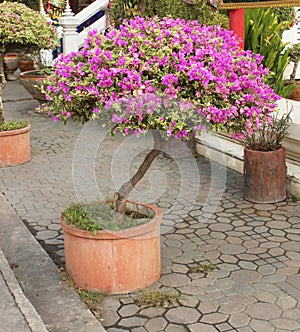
(168, 76)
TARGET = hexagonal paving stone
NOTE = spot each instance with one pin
(182, 315)
(266, 269)
(156, 324)
(232, 308)
(228, 258)
(247, 265)
(179, 268)
(175, 328)
(263, 311)
(264, 296)
(292, 313)
(285, 324)
(221, 227)
(224, 283)
(128, 310)
(289, 270)
(110, 303)
(174, 280)
(44, 235)
(251, 244)
(294, 280)
(232, 249)
(209, 306)
(242, 329)
(261, 325)
(110, 318)
(152, 312)
(239, 320)
(278, 225)
(291, 246)
(188, 301)
(214, 318)
(132, 322)
(171, 252)
(246, 276)
(201, 327)
(139, 329)
(286, 302)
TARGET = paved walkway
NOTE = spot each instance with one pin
(255, 247)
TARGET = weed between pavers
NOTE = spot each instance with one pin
(293, 198)
(205, 268)
(157, 299)
(91, 299)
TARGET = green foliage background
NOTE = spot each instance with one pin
(263, 35)
(200, 11)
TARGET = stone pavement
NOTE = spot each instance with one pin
(254, 247)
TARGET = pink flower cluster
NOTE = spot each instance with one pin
(167, 74)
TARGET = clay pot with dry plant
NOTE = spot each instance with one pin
(264, 162)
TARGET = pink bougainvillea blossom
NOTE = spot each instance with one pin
(166, 74)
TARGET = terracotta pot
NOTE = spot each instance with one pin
(26, 65)
(264, 176)
(15, 147)
(31, 80)
(295, 94)
(116, 262)
(10, 61)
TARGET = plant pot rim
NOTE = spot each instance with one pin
(132, 232)
(15, 131)
(32, 74)
(262, 152)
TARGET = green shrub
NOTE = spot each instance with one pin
(200, 11)
(205, 14)
(263, 35)
(13, 125)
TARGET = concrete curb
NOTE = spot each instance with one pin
(30, 315)
(58, 306)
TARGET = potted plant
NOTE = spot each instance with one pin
(32, 81)
(264, 161)
(166, 76)
(21, 29)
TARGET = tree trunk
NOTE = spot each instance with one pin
(143, 6)
(293, 74)
(2, 85)
(122, 195)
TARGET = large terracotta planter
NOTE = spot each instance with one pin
(116, 262)
(264, 176)
(15, 147)
(31, 80)
(26, 65)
